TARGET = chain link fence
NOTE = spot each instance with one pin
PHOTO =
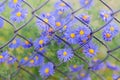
(73, 12)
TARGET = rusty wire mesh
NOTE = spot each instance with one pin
(34, 15)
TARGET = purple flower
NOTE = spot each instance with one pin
(42, 50)
(18, 15)
(48, 18)
(4, 56)
(61, 6)
(2, 7)
(83, 75)
(71, 36)
(99, 66)
(38, 59)
(116, 77)
(11, 60)
(76, 68)
(107, 35)
(24, 61)
(86, 3)
(15, 43)
(27, 44)
(1, 22)
(83, 40)
(85, 18)
(105, 15)
(14, 3)
(83, 32)
(90, 49)
(31, 62)
(113, 28)
(65, 54)
(47, 69)
(40, 42)
(112, 66)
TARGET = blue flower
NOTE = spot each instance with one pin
(15, 43)
(113, 28)
(90, 49)
(40, 42)
(27, 44)
(62, 6)
(15, 3)
(18, 15)
(11, 60)
(31, 62)
(42, 50)
(99, 66)
(83, 32)
(116, 77)
(112, 66)
(48, 18)
(24, 61)
(105, 15)
(107, 35)
(85, 18)
(38, 59)
(4, 56)
(83, 40)
(1, 22)
(47, 69)
(76, 68)
(87, 4)
(2, 7)
(83, 75)
(71, 36)
(65, 54)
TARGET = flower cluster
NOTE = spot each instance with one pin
(62, 29)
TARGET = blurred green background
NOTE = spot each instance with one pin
(31, 31)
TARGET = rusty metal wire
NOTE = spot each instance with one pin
(34, 15)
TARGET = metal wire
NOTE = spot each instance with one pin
(34, 15)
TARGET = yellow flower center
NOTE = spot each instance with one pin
(27, 42)
(81, 32)
(18, 14)
(41, 42)
(10, 58)
(1, 56)
(32, 61)
(65, 27)
(46, 20)
(60, 12)
(36, 57)
(62, 4)
(47, 70)
(118, 78)
(72, 35)
(85, 17)
(84, 41)
(108, 35)
(50, 29)
(40, 49)
(14, 41)
(111, 28)
(58, 24)
(15, 1)
(65, 53)
(86, 1)
(106, 15)
(75, 66)
(26, 58)
(91, 51)
(82, 74)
